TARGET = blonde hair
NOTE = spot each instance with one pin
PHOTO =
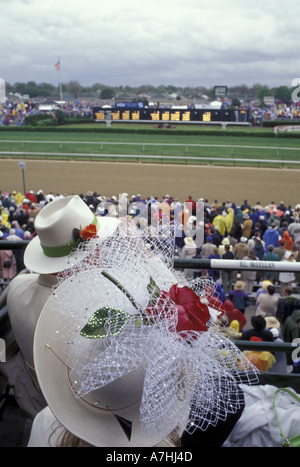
(66, 439)
(239, 285)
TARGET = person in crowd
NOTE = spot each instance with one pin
(229, 220)
(241, 249)
(267, 303)
(188, 252)
(263, 360)
(249, 276)
(219, 222)
(221, 249)
(291, 328)
(208, 247)
(245, 205)
(287, 305)
(233, 314)
(214, 273)
(258, 248)
(270, 256)
(227, 274)
(239, 297)
(216, 236)
(286, 278)
(46, 255)
(247, 226)
(18, 231)
(287, 239)
(294, 228)
(8, 266)
(258, 330)
(271, 237)
(237, 231)
(280, 250)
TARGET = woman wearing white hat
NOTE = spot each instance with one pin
(123, 357)
(46, 255)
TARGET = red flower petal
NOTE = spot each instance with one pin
(90, 231)
(192, 314)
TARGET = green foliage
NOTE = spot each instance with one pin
(107, 93)
(34, 120)
(75, 89)
(235, 102)
(46, 122)
(283, 93)
(264, 92)
(97, 129)
(60, 117)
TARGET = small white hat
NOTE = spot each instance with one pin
(49, 251)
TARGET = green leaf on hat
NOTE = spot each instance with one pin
(105, 322)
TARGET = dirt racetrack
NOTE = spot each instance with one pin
(221, 183)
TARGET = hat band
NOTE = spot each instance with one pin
(64, 250)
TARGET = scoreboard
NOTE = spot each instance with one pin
(169, 115)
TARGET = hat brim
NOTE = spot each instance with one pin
(272, 322)
(96, 427)
(35, 259)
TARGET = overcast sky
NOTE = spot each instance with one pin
(135, 42)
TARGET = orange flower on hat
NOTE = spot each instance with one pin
(90, 231)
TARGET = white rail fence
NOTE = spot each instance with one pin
(272, 160)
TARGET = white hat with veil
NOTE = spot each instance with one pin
(124, 349)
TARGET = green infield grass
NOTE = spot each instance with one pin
(235, 146)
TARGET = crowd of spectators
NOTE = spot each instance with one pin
(14, 111)
(280, 111)
(197, 228)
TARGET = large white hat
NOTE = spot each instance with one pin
(49, 251)
(111, 361)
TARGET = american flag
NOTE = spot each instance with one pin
(57, 65)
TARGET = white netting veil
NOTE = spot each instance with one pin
(119, 317)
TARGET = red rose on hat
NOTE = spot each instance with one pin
(192, 314)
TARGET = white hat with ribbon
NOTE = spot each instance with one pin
(60, 226)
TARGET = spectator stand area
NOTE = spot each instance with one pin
(292, 380)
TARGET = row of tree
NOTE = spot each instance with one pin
(102, 91)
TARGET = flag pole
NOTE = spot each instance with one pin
(57, 66)
(60, 85)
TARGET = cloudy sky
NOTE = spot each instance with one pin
(135, 42)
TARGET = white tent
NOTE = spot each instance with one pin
(216, 104)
